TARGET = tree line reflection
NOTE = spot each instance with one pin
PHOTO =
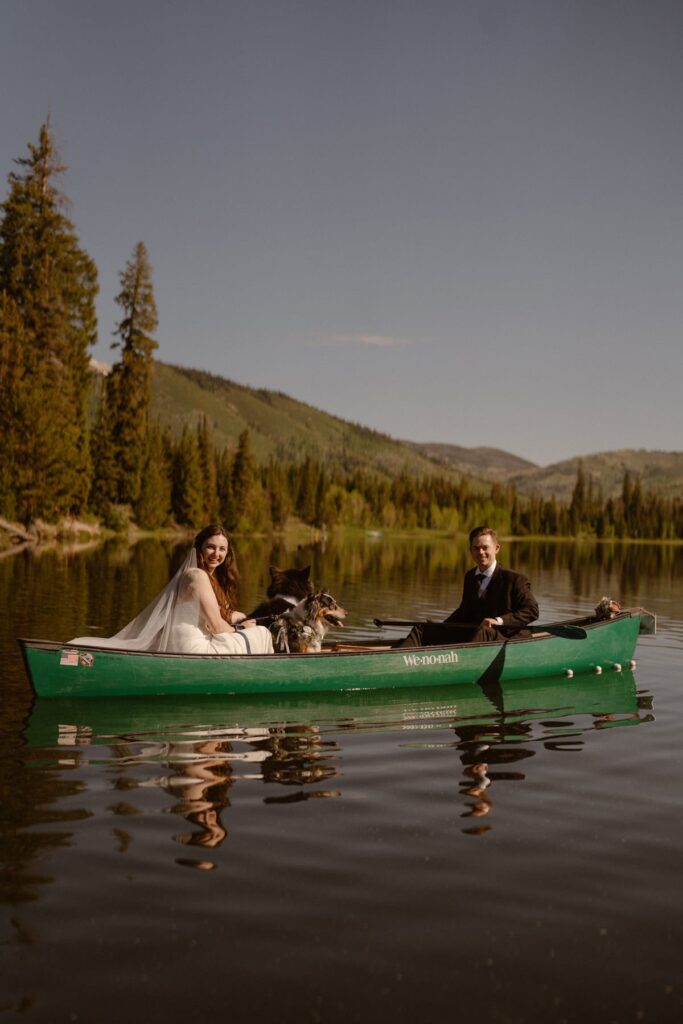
(58, 594)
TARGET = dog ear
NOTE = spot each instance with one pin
(306, 572)
(274, 571)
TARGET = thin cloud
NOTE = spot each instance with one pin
(369, 340)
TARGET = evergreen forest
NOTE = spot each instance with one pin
(76, 444)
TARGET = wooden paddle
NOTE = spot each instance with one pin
(562, 629)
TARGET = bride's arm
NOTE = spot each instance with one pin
(241, 617)
(201, 588)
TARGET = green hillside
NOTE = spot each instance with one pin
(661, 472)
(489, 463)
(288, 429)
(279, 426)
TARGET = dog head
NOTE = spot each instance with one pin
(290, 582)
(606, 608)
(319, 610)
(302, 629)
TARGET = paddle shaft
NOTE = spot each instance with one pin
(565, 630)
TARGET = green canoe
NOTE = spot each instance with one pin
(68, 722)
(588, 645)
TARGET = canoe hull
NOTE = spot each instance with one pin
(56, 670)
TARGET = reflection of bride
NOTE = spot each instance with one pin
(196, 612)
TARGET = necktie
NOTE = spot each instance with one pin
(480, 577)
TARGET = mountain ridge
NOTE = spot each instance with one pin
(287, 428)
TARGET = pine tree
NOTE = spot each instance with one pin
(11, 383)
(48, 286)
(187, 484)
(276, 487)
(154, 504)
(321, 491)
(577, 508)
(207, 465)
(306, 498)
(226, 509)
(104, 489)
(251, 511)
(129, 386)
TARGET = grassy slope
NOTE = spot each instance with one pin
(286, 428)
(658, 471)
(490, 463)
(278, 425)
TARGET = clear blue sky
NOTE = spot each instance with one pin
(450, 220)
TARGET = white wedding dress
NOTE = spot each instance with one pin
(188, 636)
(172, 623)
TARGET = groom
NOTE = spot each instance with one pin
(495, 603)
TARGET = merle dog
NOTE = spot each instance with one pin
(302, 629)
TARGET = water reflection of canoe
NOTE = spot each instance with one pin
(56, 670)
(74, 721)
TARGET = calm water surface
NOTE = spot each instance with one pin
(411, 856)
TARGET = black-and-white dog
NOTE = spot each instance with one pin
(299, 615)
(285, 590)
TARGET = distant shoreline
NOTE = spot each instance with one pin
(77, 534)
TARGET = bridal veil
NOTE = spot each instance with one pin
(150, 630)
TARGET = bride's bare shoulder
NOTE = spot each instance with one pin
(195, 575)
(195, 580)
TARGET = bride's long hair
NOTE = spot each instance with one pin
(225, 577)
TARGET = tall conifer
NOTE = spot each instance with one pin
(226, 508)
(154, 504)
(48, 286)
(187, 483)
(207, 465)
(251, 510)
(104, 489)
(129, 385)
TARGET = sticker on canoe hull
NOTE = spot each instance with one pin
(71, 658)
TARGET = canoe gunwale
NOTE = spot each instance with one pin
(590, 622)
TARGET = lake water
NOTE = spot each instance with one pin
(411, 856)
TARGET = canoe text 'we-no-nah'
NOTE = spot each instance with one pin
(448, 658)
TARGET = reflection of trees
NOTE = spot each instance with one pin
(37, 599)
(65, 593)
(121, 580)
(52, 596)
(30, 799)
(99, 590)
(592, 567)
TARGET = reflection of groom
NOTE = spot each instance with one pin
(495, 602)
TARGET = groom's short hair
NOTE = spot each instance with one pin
(479, 531)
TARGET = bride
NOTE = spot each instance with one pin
(196, 612)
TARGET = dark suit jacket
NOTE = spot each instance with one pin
(508, 595)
